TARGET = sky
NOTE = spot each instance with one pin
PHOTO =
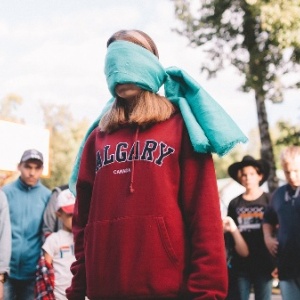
(52, 51)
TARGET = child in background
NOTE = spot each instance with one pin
(59, 246)
(234, 241)
(51, 223)
(282, 225)
(247, 211)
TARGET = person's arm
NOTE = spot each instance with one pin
(240, 245)
(84, 186)
(50, 248)
(270, 241)
(201, 211)
(48, 257)
(270, 222)
(1, 291)
(5, 239)
(50, 221)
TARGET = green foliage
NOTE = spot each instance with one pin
(243, 34)
(281, 19)
(9, 107)
(284, 134)
(66, 136)
(222, 163)
(290, 135)
(259, 37)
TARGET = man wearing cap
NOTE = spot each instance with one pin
(27, 198)
(247, 210)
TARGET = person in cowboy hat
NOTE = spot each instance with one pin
(247, 211)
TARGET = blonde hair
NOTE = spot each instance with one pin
(148, 107)
(289, 154)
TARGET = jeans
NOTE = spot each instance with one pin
(290, 289)
(19, 289)
(262, 285)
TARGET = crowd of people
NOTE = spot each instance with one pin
(267, 244)
(36, 240)
(140, 217)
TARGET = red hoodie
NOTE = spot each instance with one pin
(147, 218)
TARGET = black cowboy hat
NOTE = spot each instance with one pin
(248, 160)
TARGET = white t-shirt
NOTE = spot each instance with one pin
(60, 246)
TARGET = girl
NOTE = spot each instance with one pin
(147, 219)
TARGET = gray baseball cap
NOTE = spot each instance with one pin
(32, 154)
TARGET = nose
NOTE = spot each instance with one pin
(32, 172)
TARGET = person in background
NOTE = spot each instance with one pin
(282, 225)
(59, 246)
(51, 223)
(27, 198)
(147, 221)
(234, 241)
(247, 211)
(5, 242)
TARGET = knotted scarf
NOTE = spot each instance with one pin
(210, 128)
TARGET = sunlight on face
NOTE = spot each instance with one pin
(292, 172)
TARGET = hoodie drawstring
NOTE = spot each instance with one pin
(131, 189)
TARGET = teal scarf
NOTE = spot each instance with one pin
(210, 128)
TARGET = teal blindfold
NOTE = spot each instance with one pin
(210, 128)
(126, 62)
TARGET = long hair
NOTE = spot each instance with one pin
(148, 107)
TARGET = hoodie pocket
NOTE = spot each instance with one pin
(132, 256)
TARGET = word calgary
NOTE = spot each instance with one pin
(151, 151)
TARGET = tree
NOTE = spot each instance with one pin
(290, 135)
(222, 164)
(9, 107)
(66, 135)
(259, 37)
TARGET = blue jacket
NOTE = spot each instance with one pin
(285, 212)
(26, 206)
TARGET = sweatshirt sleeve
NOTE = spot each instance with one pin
(207, 278)
(84, 186)
(50, 220)
(5, 234)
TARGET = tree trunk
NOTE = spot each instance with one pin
(266, 144)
